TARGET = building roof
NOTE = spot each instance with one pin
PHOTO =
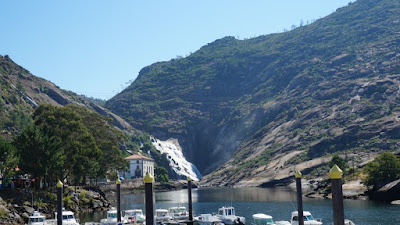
(138, 157)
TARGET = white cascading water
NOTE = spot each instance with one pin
(177, 160)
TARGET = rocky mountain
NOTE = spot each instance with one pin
(249, 112)
(21, 92)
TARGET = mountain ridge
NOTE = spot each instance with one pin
(332, 81)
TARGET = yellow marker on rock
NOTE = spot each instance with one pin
(335, 173)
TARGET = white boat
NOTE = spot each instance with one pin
(348, 222)
(263, 219)
(134, 216)
(227, 216)
(36, 218)
(68, 218)
(207, 219)
(178, 213)
(162, 216)
(111, 218)
(308, 219)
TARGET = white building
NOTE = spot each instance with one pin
(138, 166)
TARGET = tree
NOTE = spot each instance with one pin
(106, 137)
(383, 169)
(161, 174)
(8, 158)
(76, 144)
(336, 160)
(40, 153)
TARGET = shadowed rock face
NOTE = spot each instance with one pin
(242, 105)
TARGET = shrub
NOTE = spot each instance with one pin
(384, 168)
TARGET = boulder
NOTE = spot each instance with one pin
(28, 209)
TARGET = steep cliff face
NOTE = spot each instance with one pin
(257, 108)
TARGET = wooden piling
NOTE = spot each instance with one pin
(148, 180)
(59, 202)
(118, 182)
(190, 222)
(337, 195)
(299, 198)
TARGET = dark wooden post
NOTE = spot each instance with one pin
(118, 182)
(299, 198)
(190, 222)
(148, 182)
(337, 195)
(59, 202)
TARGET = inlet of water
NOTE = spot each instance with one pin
(277, 202)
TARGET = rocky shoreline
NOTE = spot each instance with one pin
(16, 204)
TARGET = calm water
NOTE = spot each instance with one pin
(277, 202)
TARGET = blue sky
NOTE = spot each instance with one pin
(95, 47)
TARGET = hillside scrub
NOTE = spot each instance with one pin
(382, 170)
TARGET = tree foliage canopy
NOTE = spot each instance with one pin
(384, 168)
(70, 142)
(8, 157)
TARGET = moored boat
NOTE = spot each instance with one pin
(134, 216)
(111, 218)
(68, 218)
(178, 213)
(207, 219)
(162, 216)
(36, 218)
(227, 215)
(308, 219)
(263, 219)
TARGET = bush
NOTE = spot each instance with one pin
(161, 174)
(336, 160)
(383, 169)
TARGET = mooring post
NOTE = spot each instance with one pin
(337, 195)
(148, 181)
(190, 222)
(118, 182)
(59, 202)
(299, 198)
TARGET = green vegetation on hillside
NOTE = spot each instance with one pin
(69, 142)
(383, 169)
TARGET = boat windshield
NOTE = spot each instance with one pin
(35, 220)
(161, 213)
(67, 217)
(264, 221)
(308, 218)
(112, 215)
(182, 209)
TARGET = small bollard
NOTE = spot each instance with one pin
(190, 222)
(59, 202)
(148, 182)
(118, 182)
(299, 198)
(337, 195)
